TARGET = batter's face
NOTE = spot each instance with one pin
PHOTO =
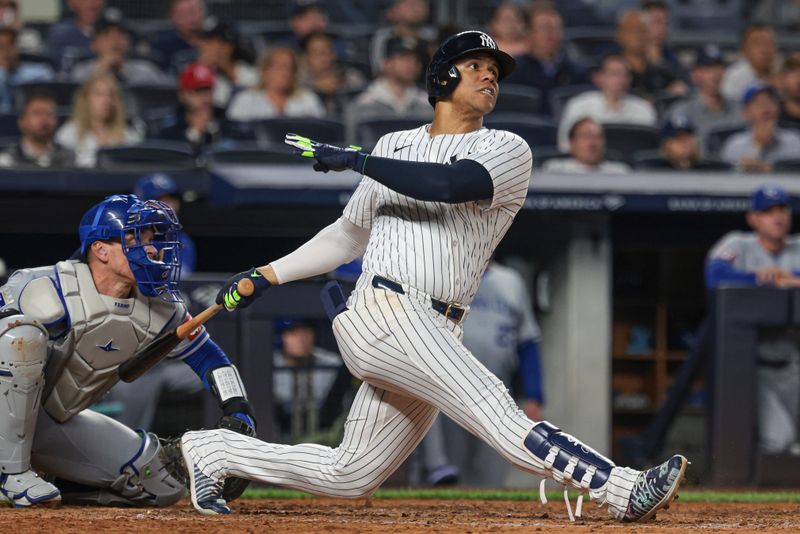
(772, 224)
(478, 89)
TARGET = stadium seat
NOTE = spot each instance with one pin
(628, 138)
(542, 154)
(664, 101)
(559, 96)
(590, 43)
(324, 130)
(8, 125)
(716, 137)
(787, 165)
(518, 99)
(155, 153)
(369, 131)
(62, 92)
(145, 98)
(252, 154)
(536, 130)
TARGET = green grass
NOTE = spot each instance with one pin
(530, 495)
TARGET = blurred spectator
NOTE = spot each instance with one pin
(177, 46)
(546, 66)
(111, 44)
(36, 148)
(324, 75)
(647, 79)
(14, 72)
(757, 61)
(790, 90)
(394, 94)
(279, 94)
(611, 103)
(407, 18)
(160, 186)
(656, 13)
(587, 146)
(70, 39)
(770, 257)
(220, 51)
(196, 120)
(28, 39)
(309, 382)
(707, 107)
(680, 149)
(98, 120)
(509, 28)
(764, 143)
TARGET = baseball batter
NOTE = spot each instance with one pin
(65, 330)
(767, 256)
(432, 206)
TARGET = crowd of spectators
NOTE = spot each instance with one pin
(72, 90)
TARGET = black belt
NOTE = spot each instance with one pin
(451, 311)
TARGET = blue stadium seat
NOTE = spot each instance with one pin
(542, 154)
(324, 130)
(8, 125)
(144, 98)
(369, 131)
(628, 138)
(560, 95)
(516, 98)
(252, 154)
(716, 137)
(153, 154)
(536, 130)
(62, 92)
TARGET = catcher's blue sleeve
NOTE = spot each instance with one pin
(530, 370)
(206, 358)
(719, 271)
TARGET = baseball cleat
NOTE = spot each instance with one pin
(205, 492)
(655, 489)
(26, 489)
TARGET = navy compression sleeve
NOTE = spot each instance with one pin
(463, 181)
(208, 357)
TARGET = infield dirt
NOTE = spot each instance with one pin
(381, 515)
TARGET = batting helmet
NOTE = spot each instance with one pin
(155, 186)
(120, 215)
(442, 76)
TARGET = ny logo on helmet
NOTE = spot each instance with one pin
(487, 41)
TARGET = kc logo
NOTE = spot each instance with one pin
(487, 41)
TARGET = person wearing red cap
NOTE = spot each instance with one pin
(195, 120)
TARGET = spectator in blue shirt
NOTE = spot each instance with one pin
(177, 47)
(14, 72)
(70, 39)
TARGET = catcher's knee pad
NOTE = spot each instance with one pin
(567, 459)
(23, 353)
(144, 479)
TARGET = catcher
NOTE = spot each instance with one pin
(65, 330)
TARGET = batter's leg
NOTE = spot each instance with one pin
(382, 429)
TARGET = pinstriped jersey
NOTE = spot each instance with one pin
(436, 247)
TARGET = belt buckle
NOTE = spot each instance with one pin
(450, 308)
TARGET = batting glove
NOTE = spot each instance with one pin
(329, 157)
(229, 297)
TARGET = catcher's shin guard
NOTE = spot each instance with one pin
(23, 353)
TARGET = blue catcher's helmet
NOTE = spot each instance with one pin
(442, 76)
(119, 216)
(155, 186)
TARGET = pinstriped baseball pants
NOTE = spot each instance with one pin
(413, 365)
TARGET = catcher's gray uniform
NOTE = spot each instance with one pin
(61, 343)
(778, 356)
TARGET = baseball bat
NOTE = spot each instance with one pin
(156, 351)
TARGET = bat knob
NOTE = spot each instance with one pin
(245, 287)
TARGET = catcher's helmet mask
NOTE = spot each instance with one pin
(442, 76)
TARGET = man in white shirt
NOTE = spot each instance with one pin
(609, 104)
(587, 145)
(756, 62)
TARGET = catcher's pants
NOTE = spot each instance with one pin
(413, 365)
